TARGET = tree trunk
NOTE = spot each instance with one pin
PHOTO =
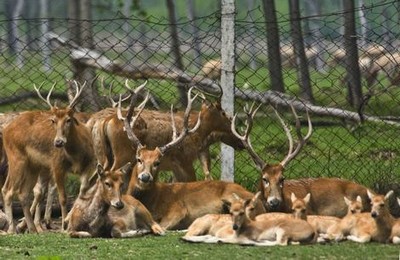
(176, 49)
(301, 59)
(195, 34)
(274, 55)
(227, 80)
(44, 45)
(252, 35)
(363, 23)
(351, 61)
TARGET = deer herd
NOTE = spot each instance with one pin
(119, 153)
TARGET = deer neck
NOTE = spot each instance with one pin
(98, 202)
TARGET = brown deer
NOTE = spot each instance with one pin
(367, 226)
(157, 132)
(56, 143)
(279, 231)
(277, 191)
(395, 235)
(176, 205)
(104, 212)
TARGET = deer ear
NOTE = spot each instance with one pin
(398, 201)
(346, 200)
(390, 193)
(359, 199)
(307, 198)
(127, 168)
(293, 197)
(370, 194)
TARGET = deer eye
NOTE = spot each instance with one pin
(68, 120)
(156, 164)
(108, 185)
(53, 121)
(139, 160)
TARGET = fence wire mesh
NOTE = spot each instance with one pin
(366, 153)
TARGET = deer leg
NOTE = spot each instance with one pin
(364, 238)
(60, 180)
(7, 198)
(204, 157)
(23, 197)
(80, 234)
(49, 203)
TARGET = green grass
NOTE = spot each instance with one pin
(60, 246)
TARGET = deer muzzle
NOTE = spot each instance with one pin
(118, 205)
(273, 203)
(235, 227)
(374, 214)
(145, 177)
(59, 142)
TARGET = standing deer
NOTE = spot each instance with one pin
(45, 142)
(277, 192)
(115, 148)
(104, 212)
(175, 205)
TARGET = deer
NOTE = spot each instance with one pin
(367, 226)
(247, 231)
(277, 191)
(215, 127)
(395, 235)
(212, 69)
(103, 211)
(175, 205)
(57, 143)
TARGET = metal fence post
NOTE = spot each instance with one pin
(227, 79)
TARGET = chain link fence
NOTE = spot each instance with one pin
(367, 153)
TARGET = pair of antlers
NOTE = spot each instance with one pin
(129, 121)
(250, 113)
(72, 103)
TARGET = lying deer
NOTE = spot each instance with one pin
(364, 227)
(114, 145)
(104, 212)
(277, 192)
(395, 235)
(280, 231)
(175, 205)
(56, 143)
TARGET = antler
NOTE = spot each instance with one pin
(245, 137)
(77, 94)
(129, 122)
(302, 140)
(47, 99)
(185, 130)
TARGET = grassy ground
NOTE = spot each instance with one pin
(59, 246)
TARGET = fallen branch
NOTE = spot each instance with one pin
(97, 60)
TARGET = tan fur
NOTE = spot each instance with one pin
(395, 235)
(364, 227)
(281, 231)
(44, 142)
(104, 212)
(212, 69)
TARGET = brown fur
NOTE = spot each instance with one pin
(364, 227)
(113, 144)
(36, 153)
(326, 193)
(280, 231)
(104, 212)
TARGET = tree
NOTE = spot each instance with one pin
(13, 13)
(195, 33)
(298, 44)
(176, 49)
(274, 55)
(80, 28)
(351, 61)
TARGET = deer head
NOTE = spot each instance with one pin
(379, 204)
(354, 206)
(148, 160)
(299, 206)
(272, 180)
(111, 183)
(62, 119)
